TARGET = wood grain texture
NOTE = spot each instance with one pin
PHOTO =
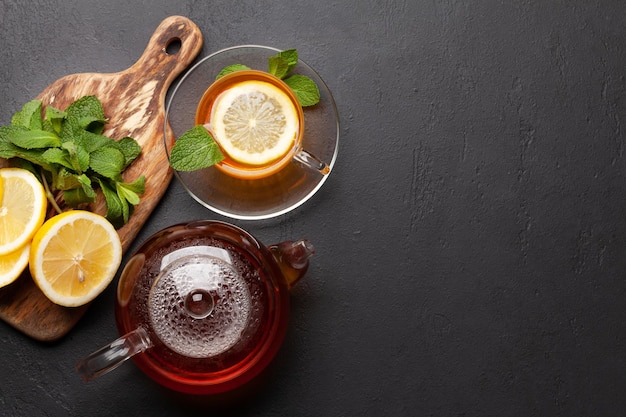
(134, 103)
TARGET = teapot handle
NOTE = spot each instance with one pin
(113, 355)
(293, 259)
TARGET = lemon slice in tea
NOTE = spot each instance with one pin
(22, 208)
(74, 256)
(255, 122)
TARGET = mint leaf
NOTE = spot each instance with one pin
(58, 156)
(7, 148)
(305, 89)
(33, 139)
(278, 66)
(77, 156)
(130, 191)
(115, 210)
(55, 117)
(29, 116)
(66, 180)
(90, 141)
(86, 113)
(282, 63)
(84, 194)
(138, 186)
(87, 188)
(125, 211)
(108, 162)
(231, 68)
(195, 149)
(291, 56)
(130, 148)
(126, 194)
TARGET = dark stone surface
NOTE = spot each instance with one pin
(471, 241)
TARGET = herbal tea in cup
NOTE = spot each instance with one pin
(257, 122)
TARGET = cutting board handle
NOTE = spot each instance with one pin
(173, 46)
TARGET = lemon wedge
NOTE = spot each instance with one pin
(74, 257)
(22, 208)
(12, 264)
(255, 122)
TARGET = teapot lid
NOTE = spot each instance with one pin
(199, 305)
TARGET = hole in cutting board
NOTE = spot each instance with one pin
(173, 46)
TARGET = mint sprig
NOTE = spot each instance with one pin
(68, 151)
(195, 149)
(281, 65)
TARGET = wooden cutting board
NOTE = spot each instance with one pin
(134, 103)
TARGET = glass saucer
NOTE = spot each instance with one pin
(259, 198)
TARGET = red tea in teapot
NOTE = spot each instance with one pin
(209, 301)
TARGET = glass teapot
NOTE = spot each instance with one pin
(202, 307)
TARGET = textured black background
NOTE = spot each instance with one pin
(471, 240)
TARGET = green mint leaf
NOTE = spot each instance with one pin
(138, 186)
(115, 211)
(77, 188)
(33, 139)
(290, 55)
(126, 194)
(55, 117)
(195, 149)
(130, 148)
(7, 148)
(92, 124)
(87, 188)
(278, 66)
(126, 210)
(77, 156)
(130, 191)
(66, 180)
(74, 197)
(91, 141)
(58, 156)
(305, 89)
(86, 113)
(282, 63)
(84, 194)
(34, 156)
(29, 116)
(231, 68)
(108, 162)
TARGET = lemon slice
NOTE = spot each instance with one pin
(22, 208)
(255, 122)
(12, 264)
(74, 257)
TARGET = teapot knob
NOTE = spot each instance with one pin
(292, 258)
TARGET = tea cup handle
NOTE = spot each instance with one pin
(113, 355)
(307, 158)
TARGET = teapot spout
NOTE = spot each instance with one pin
(293, 259)
(113, 355)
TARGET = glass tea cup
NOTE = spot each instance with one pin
(202, 307)
(272, 99)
